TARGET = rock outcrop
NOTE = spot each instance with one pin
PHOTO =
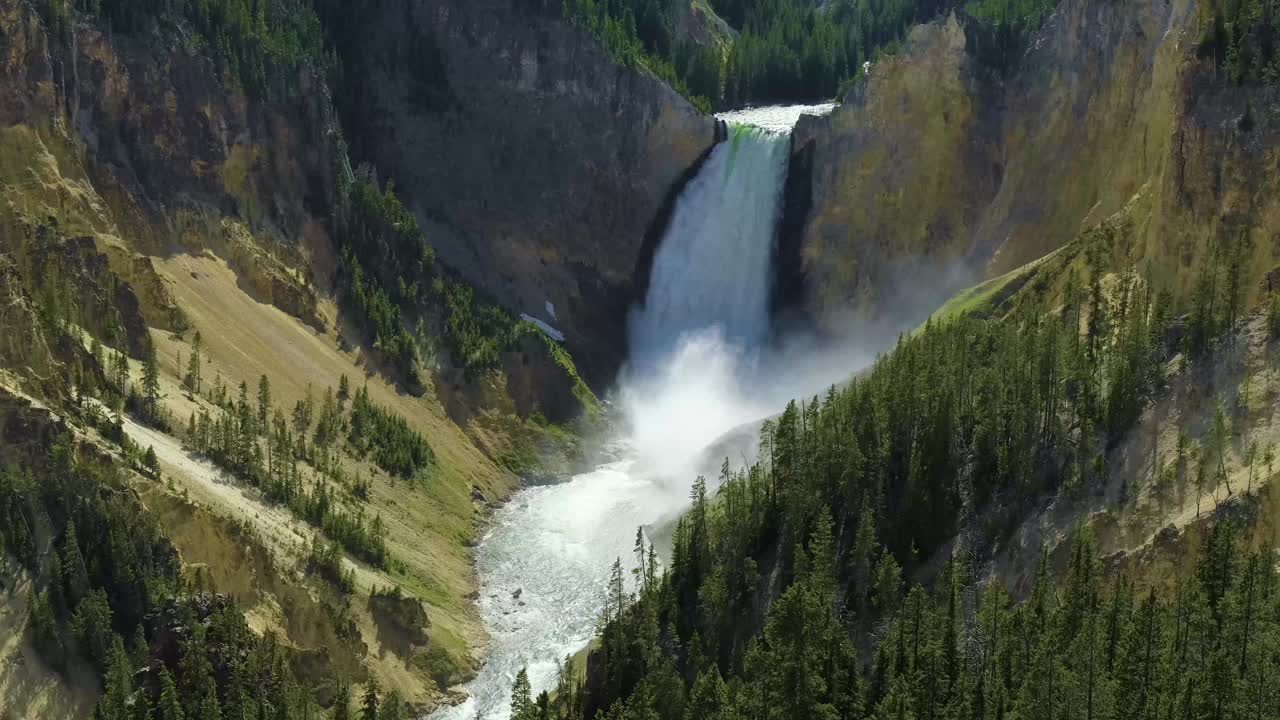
(23, 344)
(938, 166)
(534, 162)
(166, 138)
(899, 172)
(143, 148)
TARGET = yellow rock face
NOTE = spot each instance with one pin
(894, 170)
(938, 172)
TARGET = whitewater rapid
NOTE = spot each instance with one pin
(694, 343)
(777, 118)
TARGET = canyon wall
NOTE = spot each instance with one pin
(535, 162)
(939, 170)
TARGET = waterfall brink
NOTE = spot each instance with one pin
(712, 269)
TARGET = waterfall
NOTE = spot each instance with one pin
(712, 268)
(545, 561)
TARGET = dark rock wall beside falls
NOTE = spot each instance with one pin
(536, 163)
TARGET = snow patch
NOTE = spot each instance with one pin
(554, 333)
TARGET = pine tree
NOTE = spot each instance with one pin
(151, 463)
(1218, 437)
(393, 707)
(73, 567)
(369, 709)
(342, 702)
(139, 646)
(195, 675)
(264, 403)
(888, 584)
(117, 685)
(209, 708)
(244, 413)
(521, 702)
(45, 630)
(708, 698)
(151, 384)
(168, 706)
(192, 378)
(121, 372)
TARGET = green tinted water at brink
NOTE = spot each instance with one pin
(736, 132)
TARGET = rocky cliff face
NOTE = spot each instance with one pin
(145, 197)
(535, 162)
(900, 171)
(938, 168)
(145, 149)
(1218, 183)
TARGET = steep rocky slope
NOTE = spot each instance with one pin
(939, 164)
(902, 169)
(143, 202)
(144, 148)
(536, 163)
(147, 199)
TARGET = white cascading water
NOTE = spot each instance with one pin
(544, 564)
(712, 268)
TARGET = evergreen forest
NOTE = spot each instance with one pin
(832, 577)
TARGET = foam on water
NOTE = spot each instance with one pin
(544, 566)
(778, 118)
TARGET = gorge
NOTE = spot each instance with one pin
(700, 365)
(346, 346)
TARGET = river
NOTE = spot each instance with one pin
(695, 373)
